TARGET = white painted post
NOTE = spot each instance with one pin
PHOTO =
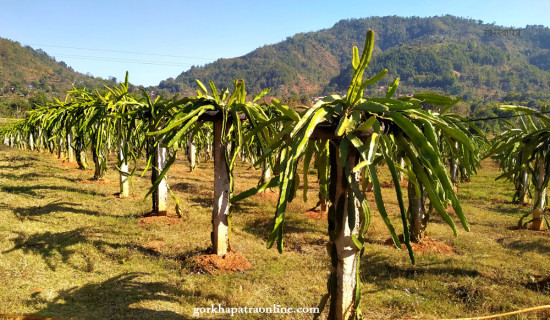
(524, 191)
(220, 213)
(344, 267)
(160, 195)
(540, 197)
(124, 181)
(70, 150)
(31, 142)
(191, 152)
(60, 152)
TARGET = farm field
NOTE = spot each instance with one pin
(69, 248)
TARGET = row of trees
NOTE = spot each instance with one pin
(523, 155)
(348, 137)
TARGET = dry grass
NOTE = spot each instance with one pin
(70, 249)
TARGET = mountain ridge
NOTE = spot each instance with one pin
(444, 53)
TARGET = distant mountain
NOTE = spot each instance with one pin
(455, 55)
(29, 76)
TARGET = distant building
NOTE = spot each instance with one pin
(315, 99)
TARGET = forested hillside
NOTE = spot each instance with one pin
(479, 61)
(29, 77)
(459, 56)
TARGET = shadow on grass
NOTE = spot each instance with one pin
(204, 202)
(542, 247)
(244, 207)
(511, 210)
(184, 187)
(24, 176)
(262, 227)
(116, 297)
(377, 270)
(31, 190)
(65, 245)
(34, 176)
(52, 207)
(17, 167)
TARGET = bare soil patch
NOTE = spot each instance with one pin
(429, 245)
(213, 264)
(155, 245)
(100, 182)
(316, 214)
(67, 164)
(168, 219)
(386, 184)
(269, 195)
(390, 184)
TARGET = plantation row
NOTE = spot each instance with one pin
(348, 138)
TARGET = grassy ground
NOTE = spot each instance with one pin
(70, 249)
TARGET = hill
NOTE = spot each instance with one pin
(456, 55)
(29, 76)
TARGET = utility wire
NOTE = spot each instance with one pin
(96, 58)
(496, 118)
(120, 51)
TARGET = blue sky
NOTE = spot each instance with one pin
(155, 40)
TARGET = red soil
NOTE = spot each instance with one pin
(68, 164)
(168, 219)
(213, 264)
(390, 184)
(155, 245)
(269, 195)
(429, 245)
(98, 182)
(316, 214)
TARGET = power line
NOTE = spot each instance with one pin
(496, 118)
(120, 51)
(109, 59)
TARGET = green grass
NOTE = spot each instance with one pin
(70, 249)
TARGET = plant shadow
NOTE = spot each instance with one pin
(543, 247)
(376, 269)
(262, 227)
(61, 247)
(32, 190)
(50, 208)
(116, 297)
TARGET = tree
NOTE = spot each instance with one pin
(532, 146)
(224, 109)
(356, 129)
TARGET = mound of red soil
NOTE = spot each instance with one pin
(155, 245)
(429, 245)
(98, 182)
(213, 264)
(269, 195)
(67, 164)
(316, 214)
(169, 219)
(386, 184)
